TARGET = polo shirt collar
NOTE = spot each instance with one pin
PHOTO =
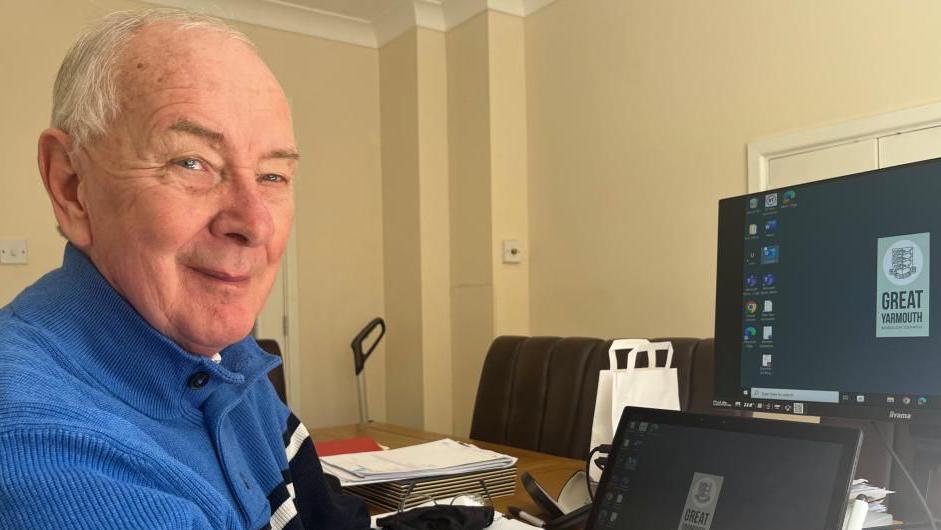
(99, 337)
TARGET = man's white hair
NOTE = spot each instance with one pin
(85, 97)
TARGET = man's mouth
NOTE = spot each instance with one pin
(223, 276)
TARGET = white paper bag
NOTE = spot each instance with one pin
(652, 387)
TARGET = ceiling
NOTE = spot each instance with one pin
(370, 23)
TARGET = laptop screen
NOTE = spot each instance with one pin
(671, 470)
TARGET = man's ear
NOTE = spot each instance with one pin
(63, 183)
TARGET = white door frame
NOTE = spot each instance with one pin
(279, 320)
(761, 151)
(292, 355)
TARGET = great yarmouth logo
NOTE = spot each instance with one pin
(701, 502)
(903, 262)
(902, 285)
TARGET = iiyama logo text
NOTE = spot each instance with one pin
(899, 415)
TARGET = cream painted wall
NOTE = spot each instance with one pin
(435, 211)
(638, 116)
(416, 222)
(398, 67)
(471, 242)
(333, 89)
(508, 174)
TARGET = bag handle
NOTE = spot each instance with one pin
(623, 344)
(651, 348)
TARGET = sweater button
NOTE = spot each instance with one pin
(198, 380)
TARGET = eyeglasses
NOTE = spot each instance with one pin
(473, 496)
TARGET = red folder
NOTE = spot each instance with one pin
(345, 446)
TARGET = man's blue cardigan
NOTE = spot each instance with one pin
(107, 423)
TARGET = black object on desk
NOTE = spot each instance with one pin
(724, 473)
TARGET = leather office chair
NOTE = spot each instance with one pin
(539, 392)
(276, 376)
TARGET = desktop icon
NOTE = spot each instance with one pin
(771, 200)
(769, 307)
(860, 398)
(750, 333)
(766, 360)
(752, 229)
(890, 399)
(753, 203)
(922, 400)
(751, 281)
(766, 333)
(906, 400)
(771, 226)
(768, 280)
(751, 307)
(789, 196)
(769, 254)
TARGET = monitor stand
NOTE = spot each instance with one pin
(919, 448)
(925, 443)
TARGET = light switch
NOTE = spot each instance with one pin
(13, 252)
(512, 251)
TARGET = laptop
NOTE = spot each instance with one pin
(681, 471)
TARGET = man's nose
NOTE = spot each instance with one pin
(244, 217)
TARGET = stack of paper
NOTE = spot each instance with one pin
(433, 459)
(875, 496)
(410, 493)
(410, 476)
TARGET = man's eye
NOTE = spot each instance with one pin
(273, 177)
(191, 164)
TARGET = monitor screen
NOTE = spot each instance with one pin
(823, 297)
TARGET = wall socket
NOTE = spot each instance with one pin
(13, 252)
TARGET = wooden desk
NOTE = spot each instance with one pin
(551, 471)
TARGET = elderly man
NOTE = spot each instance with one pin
(130, 396)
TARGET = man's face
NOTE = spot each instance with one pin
(189, 194)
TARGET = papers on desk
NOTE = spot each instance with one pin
(875, 496)
(433, 459)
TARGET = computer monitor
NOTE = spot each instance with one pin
(823, 297)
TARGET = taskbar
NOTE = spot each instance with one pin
(885, 407)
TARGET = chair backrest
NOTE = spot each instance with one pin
(276, 376)
(539, 392)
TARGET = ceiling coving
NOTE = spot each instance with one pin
(370, 23)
